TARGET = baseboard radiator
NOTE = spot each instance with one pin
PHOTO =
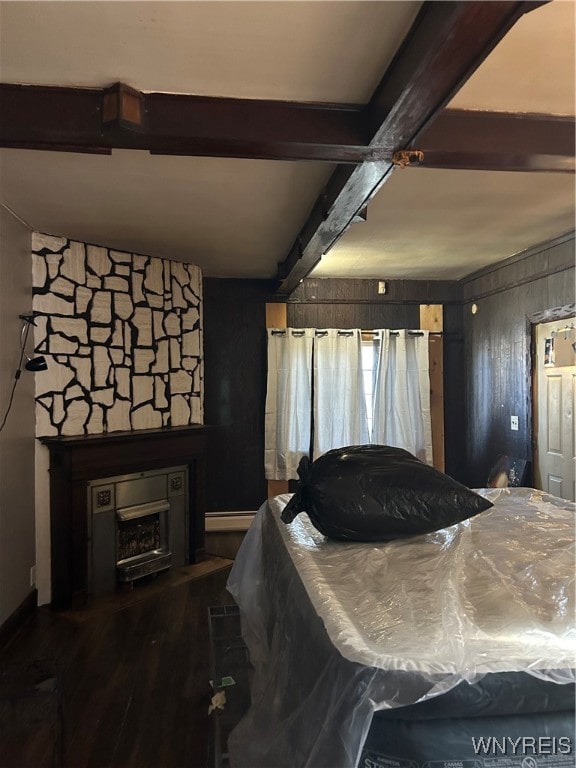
(223, 522)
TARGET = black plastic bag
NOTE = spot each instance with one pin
(378, 493)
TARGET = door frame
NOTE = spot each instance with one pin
(563, 312)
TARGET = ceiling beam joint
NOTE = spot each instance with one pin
(446, 44)
(123, 109)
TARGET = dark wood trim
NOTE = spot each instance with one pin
(446, 44)
(18, 618)
(76, 460)
(517, 283)
(115, 438)
(520, 256)
(390, 302)
(531, 320)
(549, 315)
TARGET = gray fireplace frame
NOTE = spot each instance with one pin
(111, 501)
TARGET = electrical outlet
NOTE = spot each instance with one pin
(514, 423)
(33, 576)
(382, 286)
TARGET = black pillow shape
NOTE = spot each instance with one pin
(378, 493)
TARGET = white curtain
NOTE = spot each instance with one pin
(288, 401)
(339, 402)
(401, 403)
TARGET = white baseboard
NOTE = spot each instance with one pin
(237, 521)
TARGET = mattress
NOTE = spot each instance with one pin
(408, 629)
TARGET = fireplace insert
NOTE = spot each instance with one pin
(138, 525)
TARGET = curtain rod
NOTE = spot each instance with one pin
(295, 332)
(395, 333)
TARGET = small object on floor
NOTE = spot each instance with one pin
(231, 671)
(218, 701)
(508, 472)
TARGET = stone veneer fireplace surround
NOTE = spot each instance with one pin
(122, 335)
(76, 461)
(123, 339)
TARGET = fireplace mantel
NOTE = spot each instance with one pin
(74, 461)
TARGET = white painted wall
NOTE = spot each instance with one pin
(43, 554)
(17, 524)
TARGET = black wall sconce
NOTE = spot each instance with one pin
(36, 364)
(33, 363)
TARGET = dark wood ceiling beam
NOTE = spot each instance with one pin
(44, 117)
(257, 129)
(462, 130)
(446, 44)
(496, 161)
(401, 105)
(499, 141)
(70, 119)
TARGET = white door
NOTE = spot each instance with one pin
(554, 401)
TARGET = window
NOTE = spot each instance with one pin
(333, 388)
(369, 363)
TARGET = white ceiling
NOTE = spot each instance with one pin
(293, 51)
(532, 69)
(238, 218)
(231, 217)
(459, 221)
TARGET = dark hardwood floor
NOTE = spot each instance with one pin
(133, 675)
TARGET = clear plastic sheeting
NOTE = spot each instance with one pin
(337, 631)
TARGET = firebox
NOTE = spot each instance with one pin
(137, 526)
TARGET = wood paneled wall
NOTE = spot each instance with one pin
(486, 359)
(330, 303)
(454, 393)
(235, 390)
(497, 349)
(235, 364)
(357, 304)
(351, 315)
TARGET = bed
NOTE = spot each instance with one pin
(451, 646)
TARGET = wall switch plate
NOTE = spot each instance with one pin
(381, 286)
(514, 423)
